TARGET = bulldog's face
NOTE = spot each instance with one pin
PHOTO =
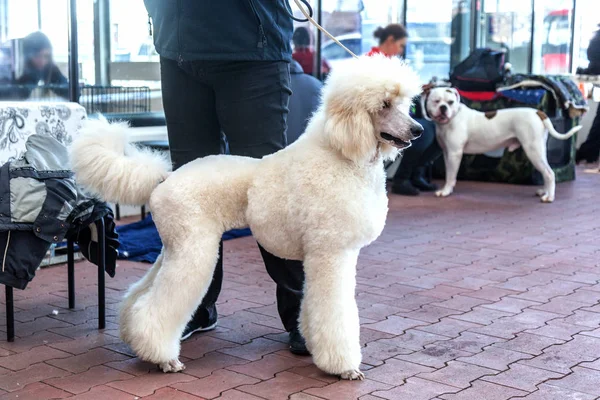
(443, 104)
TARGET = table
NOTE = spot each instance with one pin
(19, 120)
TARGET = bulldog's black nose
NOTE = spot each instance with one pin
(416, 130)
(443, 108)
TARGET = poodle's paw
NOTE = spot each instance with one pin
(445, 192)
(172, 366)
(353, 375)
(540, 192)
(547, 198)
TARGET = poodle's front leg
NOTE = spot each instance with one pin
(329, 317)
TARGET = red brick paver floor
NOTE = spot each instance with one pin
(486, 295)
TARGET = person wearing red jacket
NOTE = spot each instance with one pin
(409, 178)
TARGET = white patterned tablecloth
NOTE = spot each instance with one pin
(19, 120)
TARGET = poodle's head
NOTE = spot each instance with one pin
(366, 104)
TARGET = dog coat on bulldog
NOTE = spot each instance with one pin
(461, 130)
(320, 200)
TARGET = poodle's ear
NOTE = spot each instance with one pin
(352, 134)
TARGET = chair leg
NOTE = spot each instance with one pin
(143, 212)
(71, 271)
(101, 276)
(117, 212)
(10, 314)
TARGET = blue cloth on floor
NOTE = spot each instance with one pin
(526, 96)
(140, 240)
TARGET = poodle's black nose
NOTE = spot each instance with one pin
(416, 130)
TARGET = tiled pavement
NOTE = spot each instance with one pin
(487, 295)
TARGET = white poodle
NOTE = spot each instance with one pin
(320, 200)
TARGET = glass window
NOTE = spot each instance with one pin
(507, 25)
(428, 23)
(34, 50)
(353, 22)
(304, 41)
(552, 40)
(586, 25)
(460, 31)
(133, 63)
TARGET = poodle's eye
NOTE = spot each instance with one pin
(451, 102)
(387, 104)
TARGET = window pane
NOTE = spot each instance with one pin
(34, 51)
(586, 25)
(304, 42)
(552, 36)
(353, 22)
(428, 23)
(508, 26)
(133, 61)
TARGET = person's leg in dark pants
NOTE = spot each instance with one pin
(194, 132)
(252, 100)
(590, 149)
(409, 178)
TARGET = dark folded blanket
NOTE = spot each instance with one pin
(564, 89)
(140, 240)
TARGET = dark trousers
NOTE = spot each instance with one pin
(423, 151)
(248, 103)
(590, 149)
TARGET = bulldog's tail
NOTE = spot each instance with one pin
(548, 124)
(106, 164)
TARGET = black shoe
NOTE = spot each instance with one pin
(297, 344)
(420, 183)
(196, 325)
(405, 188)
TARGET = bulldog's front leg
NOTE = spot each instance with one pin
(452, 161)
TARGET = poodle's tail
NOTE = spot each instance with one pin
(106, 164)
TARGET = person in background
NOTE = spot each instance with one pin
(409, 178)
(304, 53)
(306, 92)
(392, 40)
(221, 74)
(589, 150)
(39, 67)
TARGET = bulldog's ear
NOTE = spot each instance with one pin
(427, 88)
(424, 98)
(456, 94)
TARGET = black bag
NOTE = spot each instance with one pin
(481, 71)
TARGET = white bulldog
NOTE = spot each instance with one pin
(461, 130)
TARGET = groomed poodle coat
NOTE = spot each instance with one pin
(319, 200)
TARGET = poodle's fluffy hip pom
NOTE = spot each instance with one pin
(106, 164)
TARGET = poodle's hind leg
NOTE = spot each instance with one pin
(159, 315)
(329, 316)
(132, 295)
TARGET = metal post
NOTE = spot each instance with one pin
(475, 25)
(10, 314)
(71, 271)
(39, 14)
(319, 39)
(532, 39)
(572, 43)
(102, 42)
(101, 276)
(73, 53)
